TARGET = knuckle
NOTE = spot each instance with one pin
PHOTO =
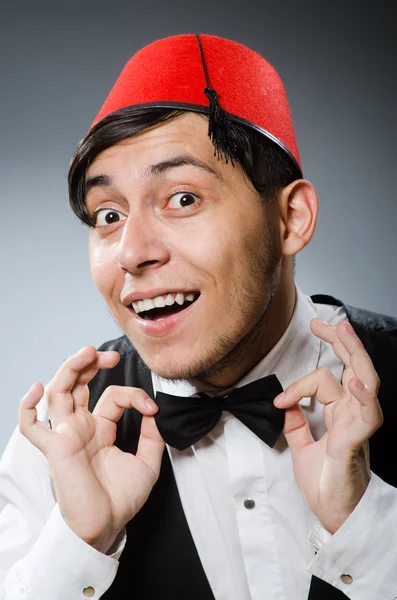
(117, 390)
(376, 382)
(139, 393)
(68, 362)
(324, 373)
(380, 420)
(136, 396)
(111, 390)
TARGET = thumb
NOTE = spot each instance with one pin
(296, 429)
(151, 444)
(35, 431)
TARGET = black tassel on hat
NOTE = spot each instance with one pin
(220, 126)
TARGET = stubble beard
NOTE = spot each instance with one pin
(255, 296)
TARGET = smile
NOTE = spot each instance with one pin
(161, 307)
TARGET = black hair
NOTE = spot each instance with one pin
(268, 166)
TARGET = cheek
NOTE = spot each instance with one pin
(104, 267)
(222, 249)
(210, 256)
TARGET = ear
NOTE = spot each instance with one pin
(298, 208)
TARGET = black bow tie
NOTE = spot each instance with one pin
(184, 421)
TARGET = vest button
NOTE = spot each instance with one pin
(249, 503)
(88, 592)
(346, 578)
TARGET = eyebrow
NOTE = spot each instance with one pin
(179, 161)
(97, 181)
(154, 170)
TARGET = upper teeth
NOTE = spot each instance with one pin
(160, 301)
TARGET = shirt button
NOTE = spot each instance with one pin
(249, 503)
(88, 592)
(346, 578)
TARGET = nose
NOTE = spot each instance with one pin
(141, 246)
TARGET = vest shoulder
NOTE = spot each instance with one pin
(378, 323)
(130, 370)
(122, 345)
(373, 322)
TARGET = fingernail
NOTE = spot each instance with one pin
(150, 403)
(361, 385)
(280, 398)
(349, 328)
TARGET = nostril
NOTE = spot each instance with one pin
(147, 263)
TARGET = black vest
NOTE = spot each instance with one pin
(160, 559)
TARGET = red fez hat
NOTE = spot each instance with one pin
(207, 74)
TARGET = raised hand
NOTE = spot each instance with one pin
(98, 487)
(333, 472)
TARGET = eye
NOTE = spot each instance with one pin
(107, 216)
(182, 199)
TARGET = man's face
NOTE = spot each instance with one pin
(177, 226)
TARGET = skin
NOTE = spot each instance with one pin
(237, 254)
(157, 244)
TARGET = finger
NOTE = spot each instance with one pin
(328, 334)
(78, 369)
(371, 411)
(150, 445)
(67, 375)
(361, 363)
(60, 399)
(320, 383)
(103, 360)
(80, 392)
(35, 431)
(115, 399)
(296, 429)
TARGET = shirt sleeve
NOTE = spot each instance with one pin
(41, 558)
(360, 559)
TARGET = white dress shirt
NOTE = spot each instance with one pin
(247, 517)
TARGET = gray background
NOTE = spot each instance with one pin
(58, 62)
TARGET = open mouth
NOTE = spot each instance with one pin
(161, 307)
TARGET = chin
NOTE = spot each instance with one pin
(186, 368)
(170, 370)
(178, 368)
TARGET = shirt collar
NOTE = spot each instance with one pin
(296, 353)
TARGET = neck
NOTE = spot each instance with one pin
(258, 343)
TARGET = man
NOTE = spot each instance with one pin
(191, 185)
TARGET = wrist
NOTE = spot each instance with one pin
(335, 513)
(98, 538)
(102, 543)
(342, 487)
